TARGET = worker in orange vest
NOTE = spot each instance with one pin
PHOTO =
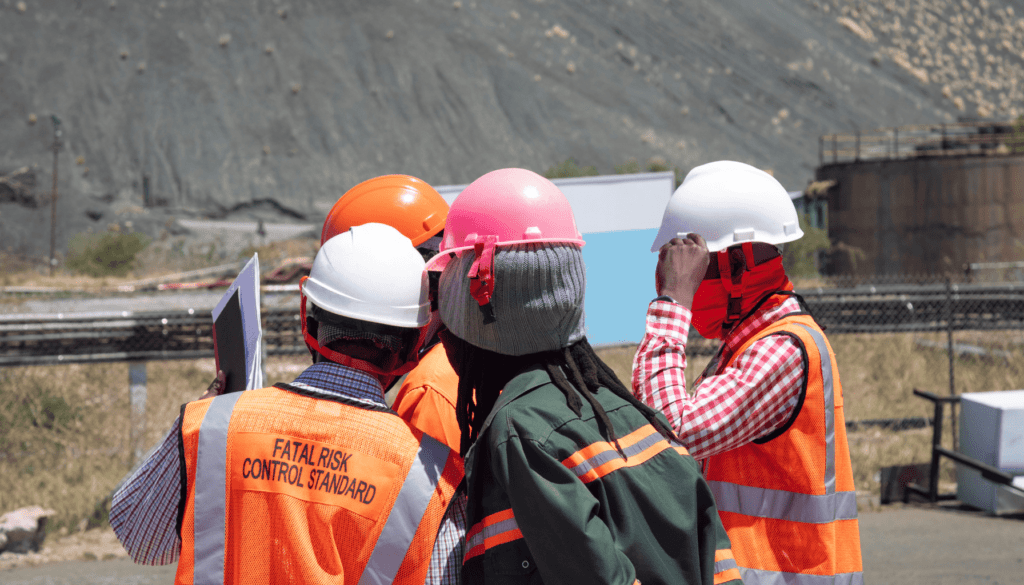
(316, 480)
(427, 395)
(766, 416)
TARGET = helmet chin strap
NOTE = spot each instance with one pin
(384, 376)
(481, 275)
(734, 284)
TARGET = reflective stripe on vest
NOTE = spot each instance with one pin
(405, 516)
(211, 488)
(755, 577)
(796, 507)
(764, 508)
(830, 407)
(783, 505)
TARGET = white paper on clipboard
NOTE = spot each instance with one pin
(242, 296)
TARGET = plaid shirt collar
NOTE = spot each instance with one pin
(765, 316)
(334, 378)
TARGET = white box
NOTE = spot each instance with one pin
(992, 431)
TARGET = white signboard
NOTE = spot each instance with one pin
(609, 203)
(619, 216)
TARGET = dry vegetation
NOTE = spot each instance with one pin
(879, 373)
(972, 51)
(161, 257)
(64, 430)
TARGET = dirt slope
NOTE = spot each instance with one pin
(272, 109)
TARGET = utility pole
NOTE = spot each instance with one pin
(53, 195)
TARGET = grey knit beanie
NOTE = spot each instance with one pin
(537, 301)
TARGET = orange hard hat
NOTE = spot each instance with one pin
(403, 202)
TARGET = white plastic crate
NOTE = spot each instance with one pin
(992, 431)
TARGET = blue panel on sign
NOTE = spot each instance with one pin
(620, 284)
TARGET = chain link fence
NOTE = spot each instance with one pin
(946, 334)
(942, 334)
(966, 316)
(967, 319)
(130, 336)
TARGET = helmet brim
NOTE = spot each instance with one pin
(731, 240)
(438, 262)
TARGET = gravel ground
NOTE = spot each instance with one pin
(901, 544)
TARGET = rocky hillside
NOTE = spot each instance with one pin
(273, 108)
(973, 51)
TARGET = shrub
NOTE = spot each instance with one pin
(33, 416)
(654, 165)
(1016, 140)
(569, 168)
(107, 254)
(62, 441)
(801, 257)
(627, 168)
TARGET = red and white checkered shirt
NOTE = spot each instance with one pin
(731, 406)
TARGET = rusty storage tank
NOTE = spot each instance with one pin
(924, 199)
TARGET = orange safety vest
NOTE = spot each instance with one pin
(290, 484)
(788, 501)
(428, 395)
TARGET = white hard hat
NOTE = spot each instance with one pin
(730, 203)
(370, 273)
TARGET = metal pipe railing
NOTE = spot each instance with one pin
(923, 140)
(931, 493)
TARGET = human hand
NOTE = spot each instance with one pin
(216, 388)
(682, 263)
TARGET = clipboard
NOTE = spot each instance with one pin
(237, 331)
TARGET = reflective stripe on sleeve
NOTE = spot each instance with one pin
(754, 577)
(830, 407)
(601, 458)
(783, 505)
(211, 489)
(404, 519)
(726, 568)
(498, 528)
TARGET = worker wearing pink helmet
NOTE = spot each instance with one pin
(570, 479)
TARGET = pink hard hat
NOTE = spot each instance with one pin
(505, 207)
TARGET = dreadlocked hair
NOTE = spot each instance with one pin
(576, 371)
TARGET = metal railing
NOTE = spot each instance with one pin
(186, 334)
(936, 310)
(931, 491)
(924, 140)
(129, 336)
